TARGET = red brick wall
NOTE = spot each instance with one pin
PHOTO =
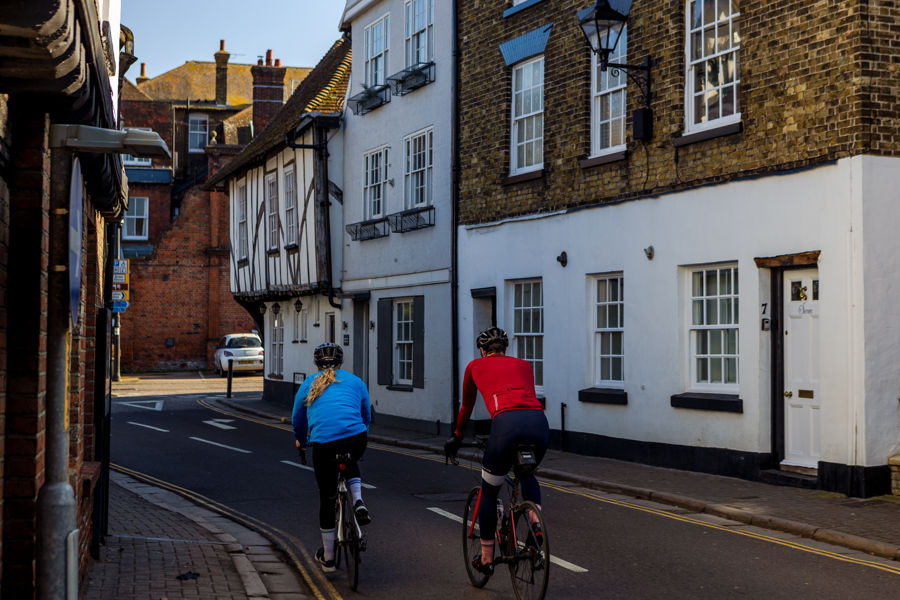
(29, 188)
(171, 294)
(159, 209)
(155, 115)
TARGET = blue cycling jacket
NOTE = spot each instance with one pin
(343, 410)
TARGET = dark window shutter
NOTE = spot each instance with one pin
(385, 340)
(419, 341)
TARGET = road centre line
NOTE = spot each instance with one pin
(308, 468)
(148, 426)
(553, 558)
(196, 439)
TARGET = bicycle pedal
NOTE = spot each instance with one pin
(362, 543)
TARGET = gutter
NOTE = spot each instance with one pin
(454, 220)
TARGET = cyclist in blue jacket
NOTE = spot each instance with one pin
(332, 415)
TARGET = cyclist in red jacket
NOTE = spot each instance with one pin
(507, 385)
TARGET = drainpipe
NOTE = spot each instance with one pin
(454, 220)
(57, 558)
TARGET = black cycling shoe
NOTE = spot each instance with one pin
(328, 566)
(487, 569)
(362, 513)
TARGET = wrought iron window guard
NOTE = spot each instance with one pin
(370, 98)
(368, 230)
(412, 219)
(412, 78)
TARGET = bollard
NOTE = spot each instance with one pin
(563, 437)
(230, 375)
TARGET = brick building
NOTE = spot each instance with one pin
(175, 233)
(766, 165)
(54, 320)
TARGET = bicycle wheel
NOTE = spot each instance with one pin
(471, 539)
(530, 569)
(351, 545)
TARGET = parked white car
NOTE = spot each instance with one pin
(244, 350)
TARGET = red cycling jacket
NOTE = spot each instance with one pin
(505, 382)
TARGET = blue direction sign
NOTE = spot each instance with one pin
(119, 305)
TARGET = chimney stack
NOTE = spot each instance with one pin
(222, 74)
(268, 91)
(143, 76)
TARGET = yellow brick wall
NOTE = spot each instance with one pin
(819, 82)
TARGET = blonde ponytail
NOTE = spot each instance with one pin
(323, 380)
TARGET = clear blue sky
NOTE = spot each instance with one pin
(167, 33)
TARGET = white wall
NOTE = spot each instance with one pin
(880, 185)
(737, 221)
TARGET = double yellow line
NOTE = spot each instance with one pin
(307, 567)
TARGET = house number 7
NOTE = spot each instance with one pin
(765, 305)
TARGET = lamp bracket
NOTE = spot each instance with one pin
(639, 74)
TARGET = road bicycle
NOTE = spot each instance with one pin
(521, 537)
(349, 538)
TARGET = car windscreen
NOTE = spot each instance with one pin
(244, 342)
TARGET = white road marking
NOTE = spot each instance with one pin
(298, 465)
(148, 426)
(553, 558)
(157, 405)
(368, 486)
(220, 423)
(196, 439)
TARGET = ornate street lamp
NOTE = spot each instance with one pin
(602, 25)
(298, 305)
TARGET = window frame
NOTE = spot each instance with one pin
(192, 133)
(131, 217)
(518, 345)
(619, 55)
(381, 185)
(407, 344)
(598, 329)
(693, 328)
(276, 344)
(292, 233)
(689, 81)
(375, 70)
(426, 170)
(136, 161)
(515, 168)
(270, 183)
(426, 30)
(241, 201)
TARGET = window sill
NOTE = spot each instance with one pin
(530, 176)
(400, 388)
(293, 246)
(273, 252)
(604, 159)
(708, 134)
(274, 376)
(715, 402)
(603, 396)
(243, 262)
(519, 7)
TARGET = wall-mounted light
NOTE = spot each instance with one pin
(563, 259)
(298, 305)
(262, 309)
(371, 324)
(649, 252)
(276, 308)
(602, 25)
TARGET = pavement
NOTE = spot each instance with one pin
(163, 547)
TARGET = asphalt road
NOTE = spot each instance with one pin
(605, 546)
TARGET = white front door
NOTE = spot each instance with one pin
(802, 400)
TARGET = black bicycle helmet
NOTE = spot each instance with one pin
(491, 338)
(328, 355)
